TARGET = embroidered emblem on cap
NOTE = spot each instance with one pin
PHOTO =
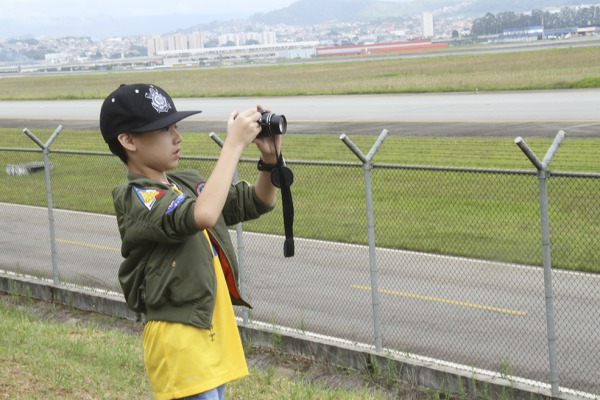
(148, 196)
(159, 102)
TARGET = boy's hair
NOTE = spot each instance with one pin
(136, 108)
(115, 147)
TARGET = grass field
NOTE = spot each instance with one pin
(485, 215)
(480, 215)
(540, 69)
(48, 351)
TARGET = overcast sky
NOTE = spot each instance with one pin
(86, 8)
(105, 18)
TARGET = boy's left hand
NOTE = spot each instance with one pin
(265, 146)
(268, 153)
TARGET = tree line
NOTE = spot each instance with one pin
(491, 24)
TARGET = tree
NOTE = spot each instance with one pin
(490, 24)
(537, 18)
(566, 18)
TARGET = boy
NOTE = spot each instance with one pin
(179, 267)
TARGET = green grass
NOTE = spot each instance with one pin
(469, 214)
(41, 358)
(44, 360)
(525, 70)
(580, 154)
(480, 215)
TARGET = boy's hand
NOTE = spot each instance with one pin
(268, 153)
(265, 145)
(243, 127)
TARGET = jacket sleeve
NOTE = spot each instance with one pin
(153, 213)
(242, 204)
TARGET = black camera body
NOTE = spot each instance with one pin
(271, 124)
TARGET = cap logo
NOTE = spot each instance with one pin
(159, 102)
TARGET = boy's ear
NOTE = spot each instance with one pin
(126, 140)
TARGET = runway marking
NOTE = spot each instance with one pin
(442, 300)
(587, 275)
(445, 121)
(93, 246)
(365, 121)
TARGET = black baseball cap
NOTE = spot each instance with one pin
(138, 108)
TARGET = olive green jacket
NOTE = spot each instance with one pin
(167, 272)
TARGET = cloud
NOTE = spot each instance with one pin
(99, 19)
(22, 9)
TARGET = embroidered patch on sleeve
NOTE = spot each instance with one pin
(148, 197)
(175, 203)
(199, 188)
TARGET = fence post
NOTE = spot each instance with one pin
(46, 151)
(543, 175)
(240, 241)
(367, 166)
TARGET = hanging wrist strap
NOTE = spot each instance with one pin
(282, 177)
(288, 208)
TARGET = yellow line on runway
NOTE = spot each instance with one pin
(442, 300)
(88, 245)
(444, 121)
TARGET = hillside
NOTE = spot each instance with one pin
(311, 12)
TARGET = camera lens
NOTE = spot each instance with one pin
(272, 124)
(279, 122)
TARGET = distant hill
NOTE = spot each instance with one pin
(311, 12)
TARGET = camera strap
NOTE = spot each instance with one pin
(283, 177)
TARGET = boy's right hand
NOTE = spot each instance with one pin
(243, 127)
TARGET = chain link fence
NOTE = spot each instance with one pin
(458, 257)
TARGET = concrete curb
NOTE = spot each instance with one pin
(388, 366)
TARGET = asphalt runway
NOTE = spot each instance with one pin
(471, 312)
(499, 114)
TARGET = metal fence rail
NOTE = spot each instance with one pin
(438, 262)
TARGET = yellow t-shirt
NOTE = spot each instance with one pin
(183, 360)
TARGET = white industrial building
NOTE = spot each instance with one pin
(427, 24)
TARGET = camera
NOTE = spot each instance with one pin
(271, 124)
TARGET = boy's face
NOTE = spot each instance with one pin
(158, 150)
